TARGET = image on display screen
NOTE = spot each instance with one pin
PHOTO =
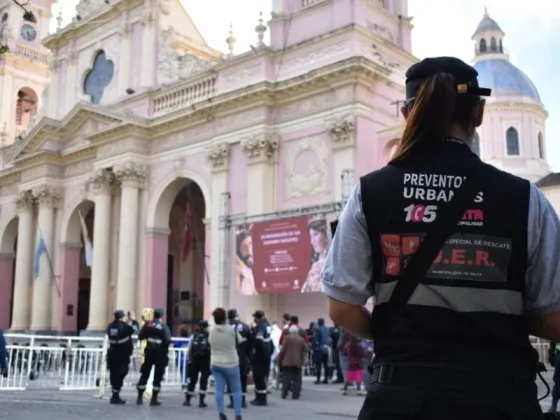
(281, 256)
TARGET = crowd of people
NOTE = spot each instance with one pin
(235, 353)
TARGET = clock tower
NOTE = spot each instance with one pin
(24, 69)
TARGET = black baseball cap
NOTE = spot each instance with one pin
(259, 314)
(232, 314)
(465, 75)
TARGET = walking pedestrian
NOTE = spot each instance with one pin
(291, 358)
(224, 360)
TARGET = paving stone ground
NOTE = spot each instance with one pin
(317, 402)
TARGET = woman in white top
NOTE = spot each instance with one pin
(224, 360)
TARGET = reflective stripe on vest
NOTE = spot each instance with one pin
(558, 347)
(458, 299)
(155, 340)
(124, 340)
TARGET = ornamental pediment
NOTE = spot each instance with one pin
(67, 134)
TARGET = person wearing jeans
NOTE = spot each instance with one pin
(224, 361)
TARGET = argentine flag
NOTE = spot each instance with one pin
(41, 249)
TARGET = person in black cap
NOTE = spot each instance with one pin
(244, 350)
(262, 352)
(459, 256)
(199, 364)
(158, 339)
(118, 354)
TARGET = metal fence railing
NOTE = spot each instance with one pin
(75, 363)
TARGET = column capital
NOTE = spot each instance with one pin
(47, 196)
(102, 181)
(130, 174)
(260, 148)
(218, 156)
(25, 201)
(342, 132)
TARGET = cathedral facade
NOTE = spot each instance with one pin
(137, 156)
(142, 124)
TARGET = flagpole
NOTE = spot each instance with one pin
(51, 268)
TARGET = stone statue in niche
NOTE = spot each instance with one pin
(307, 167)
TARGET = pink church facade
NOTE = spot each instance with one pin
(166, 123)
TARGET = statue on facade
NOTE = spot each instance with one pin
(167, 57)
(88, 7)
(189, 65)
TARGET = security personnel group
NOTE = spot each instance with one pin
(254, 350)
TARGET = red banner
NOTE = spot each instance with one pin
(281, 256)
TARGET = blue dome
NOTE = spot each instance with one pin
(488, 24)
(505, 79)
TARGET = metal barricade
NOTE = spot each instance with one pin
(77, 363)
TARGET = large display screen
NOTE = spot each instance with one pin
(281, 256)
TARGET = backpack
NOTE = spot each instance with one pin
(200, 345)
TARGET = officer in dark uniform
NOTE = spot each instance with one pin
(158, 339)
(118, 354)
(199, 364)
(462, 259)
(244, 350)
(262, 353)
(335, 336)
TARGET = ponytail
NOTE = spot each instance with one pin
(432, 114)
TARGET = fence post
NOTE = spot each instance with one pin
(103, 369)
(30, 361)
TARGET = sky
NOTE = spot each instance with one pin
(441, 27)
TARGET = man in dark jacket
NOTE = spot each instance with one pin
(554, 360)
(320, 344)
(3, 356)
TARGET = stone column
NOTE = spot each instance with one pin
(124, 57)
(149, 50)
(218, 157)
(69, 283)
(132, 178)
(157, 245)
(47, 200)
(21, 313)
(7, 270)
(261, 153)
(342, 133)
(72, 72)
(102, 182)
(52, 106)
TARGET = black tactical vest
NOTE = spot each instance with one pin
(467, 312)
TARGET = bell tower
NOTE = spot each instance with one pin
(24, 68)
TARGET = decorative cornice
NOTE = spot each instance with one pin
(260, 148)
(102, 181)
(25, 201)
(342, 132)
(130, 174)
(218, 157)
(125, 30)
(47, 196)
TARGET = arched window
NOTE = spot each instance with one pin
(98, 77)
(483, 46)
(493, 45)
(541, 146)
(512, 142)
(475, 147)
(501, 46)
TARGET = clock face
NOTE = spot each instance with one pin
(28, 32)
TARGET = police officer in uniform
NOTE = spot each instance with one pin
(262, 352)
(484, 268)
(244, 349)
(199, 364)
(118, 354)
(335, 336)
(156, 355)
